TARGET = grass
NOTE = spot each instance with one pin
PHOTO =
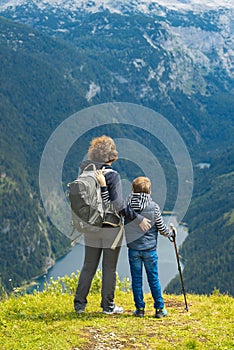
(47, 321)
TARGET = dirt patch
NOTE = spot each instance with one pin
(170, 302)
(104, 341)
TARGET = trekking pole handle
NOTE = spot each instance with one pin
(173, 229)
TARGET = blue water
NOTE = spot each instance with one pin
(167, 261)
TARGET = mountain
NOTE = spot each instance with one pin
(59, 57)
(175, 59)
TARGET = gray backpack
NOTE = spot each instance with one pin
(89, 214)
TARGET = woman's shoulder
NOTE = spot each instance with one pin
(112, 176)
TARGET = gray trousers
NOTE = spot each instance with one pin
(109, 263)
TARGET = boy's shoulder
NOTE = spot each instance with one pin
(154, 205)
(152, 201)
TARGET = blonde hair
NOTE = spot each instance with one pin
(141, 184)
(102, 149)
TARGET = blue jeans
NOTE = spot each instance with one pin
(148, 258)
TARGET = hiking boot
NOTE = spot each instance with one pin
(115, 310)
(139, 312)
(79, 309)
(160, 313)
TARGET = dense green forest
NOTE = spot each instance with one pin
(43, 80)
(29, 93)
(211, 226)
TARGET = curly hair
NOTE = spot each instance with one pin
(102, 149)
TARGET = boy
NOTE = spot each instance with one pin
(142, 246)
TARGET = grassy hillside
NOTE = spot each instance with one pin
(47, 321)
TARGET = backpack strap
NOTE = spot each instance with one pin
(118, 237)
(94, 168)
(90, 165)
(105, 171)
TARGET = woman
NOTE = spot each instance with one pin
(102, 152)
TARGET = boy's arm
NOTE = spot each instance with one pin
(160, 224)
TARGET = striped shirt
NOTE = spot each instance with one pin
(105, 195)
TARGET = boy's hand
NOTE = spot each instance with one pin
(145, 224)
(173, 232)
(101, 178)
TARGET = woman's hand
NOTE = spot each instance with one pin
(101, 178)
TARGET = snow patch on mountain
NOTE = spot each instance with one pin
(139, 63)
(148, 39)
(195, 5)
(93, 91)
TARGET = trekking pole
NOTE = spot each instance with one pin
(173, 239)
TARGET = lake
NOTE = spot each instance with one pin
(168, 269)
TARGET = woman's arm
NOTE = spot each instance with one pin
(111, 191)
(104, 189)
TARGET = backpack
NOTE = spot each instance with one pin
(89, 214)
